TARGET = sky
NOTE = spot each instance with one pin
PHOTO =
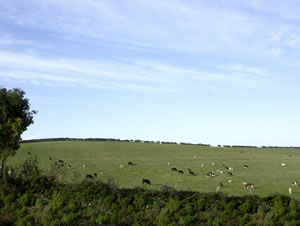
(213, 72)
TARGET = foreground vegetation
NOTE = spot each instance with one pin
(32, 197)
(151, 161)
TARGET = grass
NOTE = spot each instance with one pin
(151, 162)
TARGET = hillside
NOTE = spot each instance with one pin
(151, 162)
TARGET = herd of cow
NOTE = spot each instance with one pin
(222, 170)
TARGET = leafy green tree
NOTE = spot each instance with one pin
(15, 117)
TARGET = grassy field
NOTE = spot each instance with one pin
(151, 162)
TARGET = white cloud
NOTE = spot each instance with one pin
(129, 75)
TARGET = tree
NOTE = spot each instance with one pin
(15, 117)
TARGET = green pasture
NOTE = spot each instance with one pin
(151, 162)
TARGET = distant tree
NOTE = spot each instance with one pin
(15, 117)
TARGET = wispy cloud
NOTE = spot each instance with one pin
(129, 75)
(156, 24)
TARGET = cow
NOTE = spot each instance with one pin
(245, 166)
(121, 166)
(230, 174)
(173, 169)
(210, 174)
(229, 181)
(249, 186)
(69, 166)
(295, 183)
(130, 164)
(180, 171)
(191, 173)
(146, 181)
(283, 164)
(221, 185)
(83, 165)
(50, 158)
(61, 161)
(95, 175)
(89, 176)
(290, 191)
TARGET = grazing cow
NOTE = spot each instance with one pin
(230, 174)
(230, 169)
(95, 175)
(130, 164)
(173, 169)
(89, 176)
(295, 183)
(180, 171)
(83, 165)
(146, 181)
(187, 170)
(210, 174)
(218, 188)
(290, 191)
(283, 164)
(121, 166)
(245, 166)
(229, 181)
(69, 166)
(221, 185)
(249, 186)
(226, 167)
(50, 158)
(191, 173)
(61, 161)
(169, 163)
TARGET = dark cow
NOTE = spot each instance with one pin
(221, 185)
(50, 158)
(173, 169)
(245, 166)
(191, 173)
(89, 176)
(226, 167)
(130, 164)
(29, 153)
(95, 175)
(180, 171)
(230, 174)
(146, 181)
(69, 166)
(61, 161)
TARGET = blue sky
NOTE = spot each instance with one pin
(216, 72)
